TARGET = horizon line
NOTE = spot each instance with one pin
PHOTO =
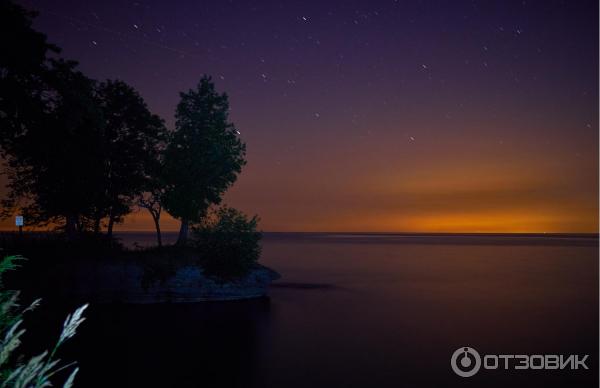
(413, 233)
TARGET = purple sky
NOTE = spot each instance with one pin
(373, 115)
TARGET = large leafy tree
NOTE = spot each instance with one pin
(23, 71)
(53, 163)
(203, 157)
(132, 142)
(48, 126)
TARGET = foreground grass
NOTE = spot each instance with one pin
(37, 371)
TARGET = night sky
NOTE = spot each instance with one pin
(424, 116)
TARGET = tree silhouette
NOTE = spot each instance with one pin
(75, 151)
(151, 198)
(48, 126)
(203, 157)
(132, 141)
(53, 161)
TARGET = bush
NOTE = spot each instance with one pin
(227, 243)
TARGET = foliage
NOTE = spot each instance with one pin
(203, 157)
(131, 145)
(22, 68)
(53, 164)
(25, 55)
(227, 242)
(38, 370)
(76, 151)
(8, 298)
(151, 198)
(49, 126)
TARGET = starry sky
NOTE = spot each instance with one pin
(407, 116)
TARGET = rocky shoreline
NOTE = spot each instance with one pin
(125, 283)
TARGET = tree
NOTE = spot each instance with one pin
(203, 157)
(151, 201)
(53, 163)
(49, 125)
(23, 66)
(131, 146)
(152, 197)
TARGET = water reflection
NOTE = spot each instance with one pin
(364, 312)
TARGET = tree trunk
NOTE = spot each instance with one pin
(70, 227)
(183, 232)
(157, 225)
(111, 223)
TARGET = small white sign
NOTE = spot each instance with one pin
(19, 220)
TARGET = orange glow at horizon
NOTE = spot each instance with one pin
(448, 193)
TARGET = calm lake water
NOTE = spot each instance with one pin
(363, 311)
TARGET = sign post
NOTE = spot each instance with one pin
(19, 223)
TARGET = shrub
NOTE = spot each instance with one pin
(37, 371)
(227, 242)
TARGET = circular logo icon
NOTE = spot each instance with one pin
(465, 362)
